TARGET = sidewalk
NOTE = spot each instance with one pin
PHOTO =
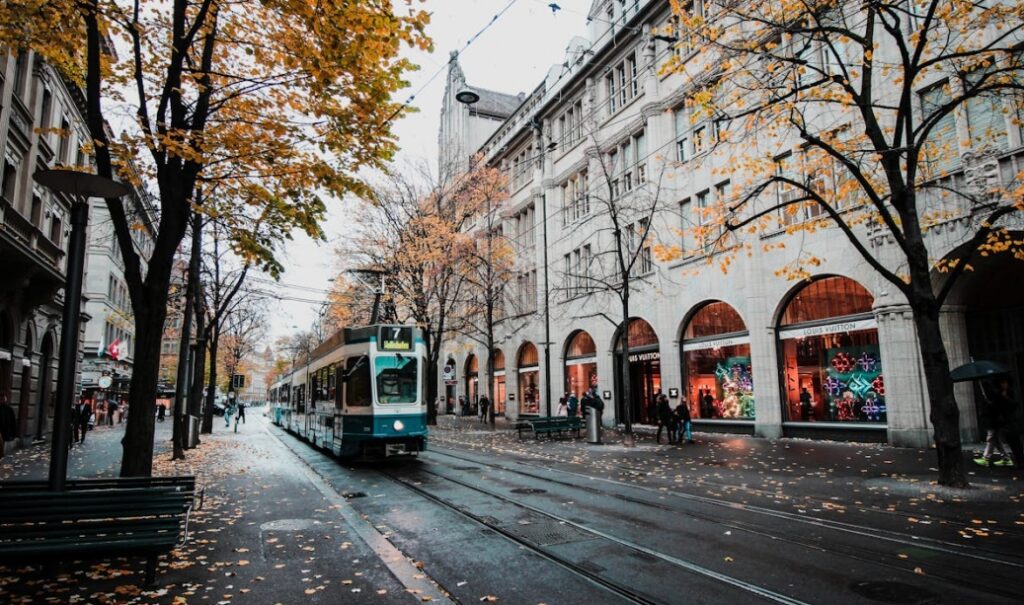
(266, 534)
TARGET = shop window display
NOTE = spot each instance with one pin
(499, 383)
(832, 367)
(580, 364)
(716, 364)
(472, 382)
(529, 379)
(644, 371)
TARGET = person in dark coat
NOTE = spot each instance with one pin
(805, 405)
(1009, 409)
(664, 411)
(484, 404)
(80, 420)
(681, 418)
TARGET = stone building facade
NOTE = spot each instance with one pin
(34, 229)
(741, 346)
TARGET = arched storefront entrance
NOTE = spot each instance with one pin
(831, 364)
(580, 364)
(644, 371)
(991, 297)
(528, 364)
(716, 364)
(472, 384)
(499, 387)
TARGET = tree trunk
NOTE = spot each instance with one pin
(944, 412)
(182, 389)
(211, 389)
(137, 443)
(627, 391)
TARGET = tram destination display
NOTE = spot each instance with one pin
(395, 338)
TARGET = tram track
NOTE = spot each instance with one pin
(820, 501)
(870, 556)
(944, 546)
(615, 587)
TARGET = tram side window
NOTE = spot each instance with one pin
(357, 387)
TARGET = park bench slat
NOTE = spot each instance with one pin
(97, 517)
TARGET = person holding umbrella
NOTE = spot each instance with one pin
(1000, 409)
(1010, 412)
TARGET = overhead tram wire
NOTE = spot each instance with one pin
(472, 39)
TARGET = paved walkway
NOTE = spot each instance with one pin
(268, 533)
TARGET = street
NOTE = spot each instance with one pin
(484, 516)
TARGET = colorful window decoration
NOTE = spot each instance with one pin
(832, 367)
(716, 364)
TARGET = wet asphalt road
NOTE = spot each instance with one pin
(485, 522)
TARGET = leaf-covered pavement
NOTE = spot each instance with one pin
(264, 534)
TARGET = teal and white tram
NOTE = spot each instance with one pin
(359, 393)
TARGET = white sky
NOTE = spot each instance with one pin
(512, 56)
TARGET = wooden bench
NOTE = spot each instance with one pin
(550, 425)
(185, 483)
(46, 526)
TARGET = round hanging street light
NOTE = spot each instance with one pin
(82, 185)
(467, 96)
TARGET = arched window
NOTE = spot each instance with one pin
(499, 387)
(831, 364)
(529, 379)
(580, 365)
(716, 364)
(472, 380)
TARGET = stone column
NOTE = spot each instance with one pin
(905, 392)
(953, 325)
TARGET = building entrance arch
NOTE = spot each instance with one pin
(644, 371)
(472, 384)
(831, 363)
(500, 386)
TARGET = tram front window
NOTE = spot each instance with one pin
(397, 378)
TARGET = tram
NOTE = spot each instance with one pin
(360, 393)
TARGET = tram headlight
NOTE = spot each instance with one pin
(399, 425)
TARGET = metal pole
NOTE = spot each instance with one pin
(68, 360)
(547, 310)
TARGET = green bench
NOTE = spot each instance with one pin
(45, 526)
(550, 425)
(185, 483)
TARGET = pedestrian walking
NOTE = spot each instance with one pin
(992, 422)
(241, 411)
(573, 404)
(112, 408)
(681, 418)
(484, 404)
(80, 415)
(1009, 409)
(563, 406)
(228, 413)
(664, 412)
(161, 412)
(463, 408)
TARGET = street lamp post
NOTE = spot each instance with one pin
(81, 186)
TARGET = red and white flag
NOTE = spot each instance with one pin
(114, 350)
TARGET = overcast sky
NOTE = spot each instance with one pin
(512, 56)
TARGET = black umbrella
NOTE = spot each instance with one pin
(977, 370)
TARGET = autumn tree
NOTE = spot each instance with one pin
(486, 262)
(288, 100)
(414, 232)
(243, 330)
(864, 99)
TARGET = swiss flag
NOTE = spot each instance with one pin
(114, 350)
